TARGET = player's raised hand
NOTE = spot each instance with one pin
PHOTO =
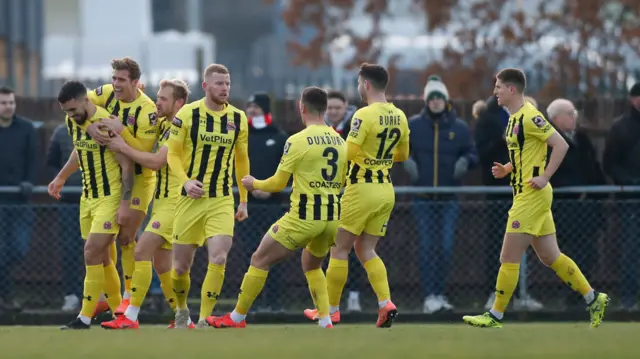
(499, 170)
(112, 124)
(242, 212)
(194, 188)
(247, 182)
(55, 187)
(97, 132)
(116, 143)
(538, 182)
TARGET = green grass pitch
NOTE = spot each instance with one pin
(403, 341)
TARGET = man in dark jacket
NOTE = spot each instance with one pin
(579, 216)
(443, 151)
(19, 164)
(60, 149)
(266, 142)
(621, 161)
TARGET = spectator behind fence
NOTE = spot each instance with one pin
(19, 163)
(581, 217)
(339, 113)
(442, 151)
(71, 243)
(266, 142)
(621, 161)
(338, 116)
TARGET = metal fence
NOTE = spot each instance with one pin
(440, 242)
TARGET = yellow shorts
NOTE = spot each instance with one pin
(99, 215)
(367, 207)
(531, 213)
(294, 233)
(161, 222)
(142, 193)
(198, 219)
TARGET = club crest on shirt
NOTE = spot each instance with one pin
(515, 130)
(131, 120)
(135, 201)
(107, 225)
(286, 148)
(177, 122)
(153, 119)
(539, 121)
(155, 225)
(355, 126)
(515, 224)
(98, 91)
(231, 126)
(275, 228)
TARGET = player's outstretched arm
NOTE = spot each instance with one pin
(275, 183)
(242, 168)
(70, 167)
(151, 160)
(559, 149)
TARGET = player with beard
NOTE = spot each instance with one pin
(133, 114)
(379, 136)
(207, 138)
(100, 201)
(155, 243)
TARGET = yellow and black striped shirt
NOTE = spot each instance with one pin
(208, 140)
(139, 117)
(167, 185)
(526, 136)
(100, 170)
(317, 159)
(378, 129)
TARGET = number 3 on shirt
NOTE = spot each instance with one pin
(331, 154)
(392, 135)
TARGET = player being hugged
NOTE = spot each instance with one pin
(379, 137)
(207, 138)
(316, 158)
(530, 220)
(155, 242)
(133, 116)
(102, 184)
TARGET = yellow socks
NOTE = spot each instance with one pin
(140, 282)
(251, 287)
(181, 285)
(211, 287)
(337, 273)
(318, 289)
(128, 266)
(112, 286)
(569, 272)
(93, 282)
(166, 285)
(377, 273)
(505, 285)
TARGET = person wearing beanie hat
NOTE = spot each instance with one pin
(442, 151)
(265, 149)
(621, 161)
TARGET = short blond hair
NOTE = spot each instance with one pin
(478, 107)
(216, 69)
(129, 64)
(180, 88)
